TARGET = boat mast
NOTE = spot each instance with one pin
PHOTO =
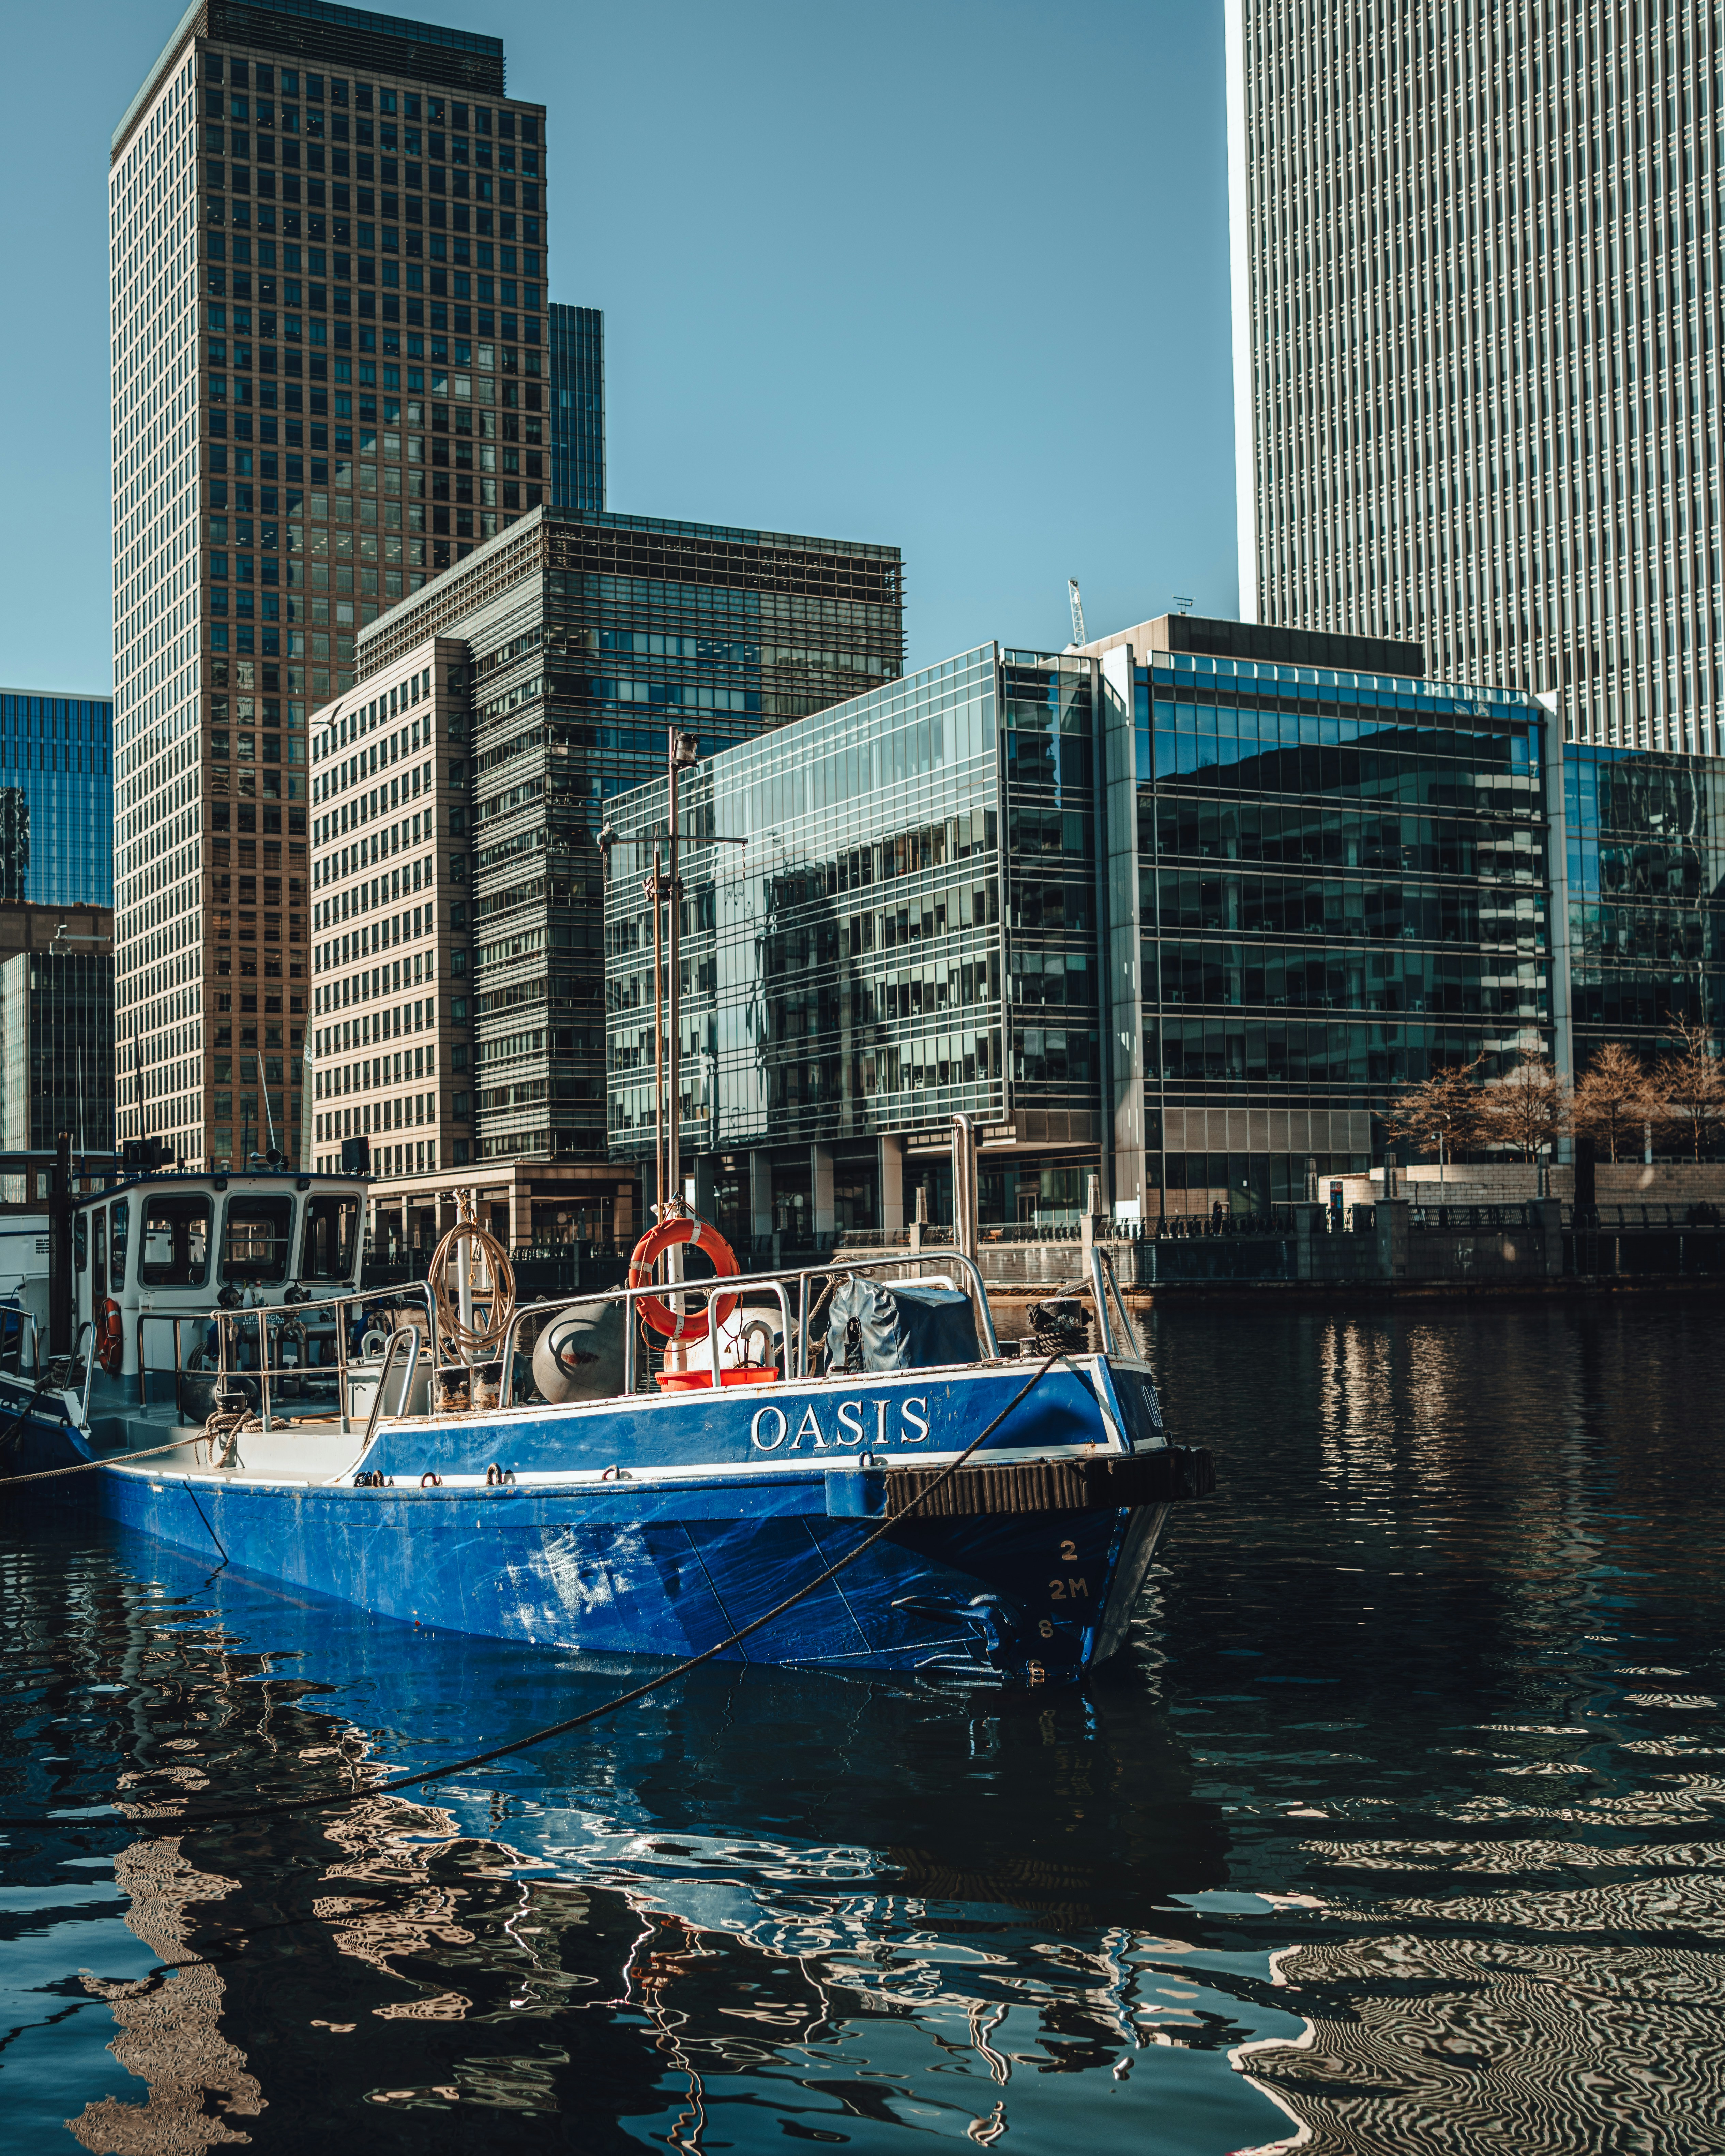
(264, 1090)
(655, 893)
(672, 1192)
(682, 752)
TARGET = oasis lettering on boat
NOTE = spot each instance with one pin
(771, 1426)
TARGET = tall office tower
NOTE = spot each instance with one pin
(1476, 357)
(327, 278)
(56, 799)
(577, 406)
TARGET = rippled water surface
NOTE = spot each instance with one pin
(1398, 1828)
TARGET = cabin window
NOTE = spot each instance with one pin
(176, 1251)
(99, 1231)
(331, 1226)
(80, 1240)
(119, 1228)
(255, 1245)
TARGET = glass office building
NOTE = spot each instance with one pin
(1181, 920)
(908, 931)
(586, 637)
(1341, 886)
(1644, 864)
(843, 963)
(576, 337)
(1475, 297)
(57, 1049)
(56, 799)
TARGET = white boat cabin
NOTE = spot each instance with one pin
(152, 1260)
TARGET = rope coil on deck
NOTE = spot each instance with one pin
(472, 1343)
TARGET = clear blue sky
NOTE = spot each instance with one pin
(948, 275)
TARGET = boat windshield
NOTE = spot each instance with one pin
(176, 1252)
(254, 1245)
(330, 1224)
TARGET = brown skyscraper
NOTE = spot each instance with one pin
(319, 218)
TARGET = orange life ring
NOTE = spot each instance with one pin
(110, 1337)
(682, 1229)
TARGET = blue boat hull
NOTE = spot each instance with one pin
(690, 1520)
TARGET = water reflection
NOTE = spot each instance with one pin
(801, 1905)
(1398, 1827)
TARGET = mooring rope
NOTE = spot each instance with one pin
(186, 1822)
(219, 1429)
(88, 1466)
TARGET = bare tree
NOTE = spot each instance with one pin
(1527, 1108)
(1613, 1099)
(1442, 1110)
(1690, 1084)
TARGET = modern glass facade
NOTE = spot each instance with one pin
(1343, 884)
(1476, 281)
(1181, 921)
(844, 963)
(56, 1050)
(577, 406)
(1645, 865)
(56, 799)
(586, 637)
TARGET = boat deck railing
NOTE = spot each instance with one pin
(1115, 1325)
(278, 1319)
(795, 1291)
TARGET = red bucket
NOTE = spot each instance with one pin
(701, 1381)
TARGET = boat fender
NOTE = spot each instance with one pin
(428, 1480)
(110, 1337)
(682, 1228)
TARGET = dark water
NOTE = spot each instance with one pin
(1398, 1827)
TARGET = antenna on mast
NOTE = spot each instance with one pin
(1077, 603)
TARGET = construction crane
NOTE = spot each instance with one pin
(1078, 635)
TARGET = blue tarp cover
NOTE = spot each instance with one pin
(900, 1326)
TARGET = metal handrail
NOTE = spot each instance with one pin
(90, 1363)
(25, 1317)
(299, 1312)
(174, 1318)
(86, 1325)
(411, 1334)
(729, 1285)
(735, 1285)
(1103, 1278)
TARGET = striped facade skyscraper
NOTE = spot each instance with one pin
(1474, 256)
